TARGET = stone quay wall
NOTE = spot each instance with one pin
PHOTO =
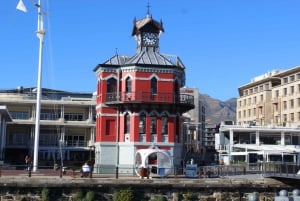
(172, 188)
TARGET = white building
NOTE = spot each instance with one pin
(252, 144)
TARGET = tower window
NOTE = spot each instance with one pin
(142, 123)
(111, 85)
(127, 123)
(128, 85)
(164, 129)
(153, 86)
(153, 124)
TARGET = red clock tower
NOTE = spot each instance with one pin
(139, 102)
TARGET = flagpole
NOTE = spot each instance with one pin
(40, 34)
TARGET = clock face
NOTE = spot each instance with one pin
(150, 39)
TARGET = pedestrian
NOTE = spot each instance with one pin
(28, 162)
(85, 170)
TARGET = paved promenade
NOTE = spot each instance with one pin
(51, 178)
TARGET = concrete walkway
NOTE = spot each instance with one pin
(51, 178)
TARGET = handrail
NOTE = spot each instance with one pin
(148, 97)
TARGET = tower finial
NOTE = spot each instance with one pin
(148, 9)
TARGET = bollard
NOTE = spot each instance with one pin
(148, 172)
(117, 172)
(283, 196)
(253, 197)
(29, 171)
(296, 195)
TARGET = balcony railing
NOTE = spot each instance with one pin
(149, 97)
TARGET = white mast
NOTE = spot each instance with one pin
(40, 34)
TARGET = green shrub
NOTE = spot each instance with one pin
(78, 195)
(188, 196)
(124, 195)
(90, 196)
(159, 198)
(45, 194)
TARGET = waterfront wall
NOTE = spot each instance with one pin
(173, 189)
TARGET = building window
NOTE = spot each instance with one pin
(277, 93)
(73, 117)
(298, 116)
(128, 85)
(284, 91)
(275, 107)
(177, 129)
(164, 126)
(254, 111)
(18, 139)
(285, 80)
(284, 105)
(19, 115)
(177, 90)
(266, 86)
(276, 119)
(50, 139)
(153, 86)
(99, 86)
(249, 112)
(284, 118)
(292, 89)
(292, 117)
(292, 78)
(254, 99)
(111, 85)
(298, 76)
(75, 140)
(153, 124)
(142, 123)
(292, 103)
(127, 123)
(261, 97)
(49, 115)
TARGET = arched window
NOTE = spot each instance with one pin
(153, 124)
(176, 91)
(128, 85)
(164, 125)
(126, 123)
(99, 85)
(111, 85)
(153, 86)
(142, 123)
(177, 127)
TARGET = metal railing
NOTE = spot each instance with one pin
(149, 97)
(283, 170)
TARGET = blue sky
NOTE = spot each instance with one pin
(223, 43)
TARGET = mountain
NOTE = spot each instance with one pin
(217, 111)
